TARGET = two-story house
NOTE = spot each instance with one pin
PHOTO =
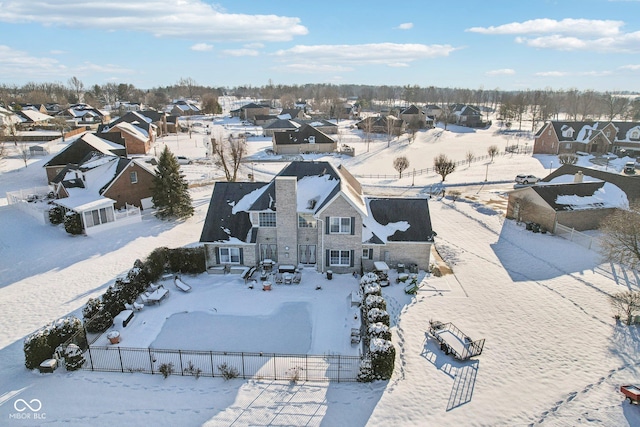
(555, 137)
(315, 215)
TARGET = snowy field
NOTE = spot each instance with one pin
(553, 356)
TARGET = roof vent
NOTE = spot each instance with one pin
(578, 177)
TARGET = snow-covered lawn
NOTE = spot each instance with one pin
(553, 354)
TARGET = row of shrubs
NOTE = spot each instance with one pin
(98, 313)
(43, 343)
(72, 220)
(381, 353)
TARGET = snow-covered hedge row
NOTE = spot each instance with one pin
(40, 345)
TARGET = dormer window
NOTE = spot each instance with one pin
(568, 132)
(635, 134)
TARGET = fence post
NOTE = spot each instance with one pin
(181, 368)
(275, 368)
(151, 361)
(242, 357)
(90, 358)
(338, 368)
(306, 366)
(121, 364)
(213, 373)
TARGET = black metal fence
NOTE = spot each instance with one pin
(271, 366)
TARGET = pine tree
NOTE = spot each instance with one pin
(170, 190)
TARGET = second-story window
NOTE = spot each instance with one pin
(134, 177)
(267, 219)
(306, 221)
(340, 225)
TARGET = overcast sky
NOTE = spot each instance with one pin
(505, 44)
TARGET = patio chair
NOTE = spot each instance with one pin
(297, 277)
(279, 278)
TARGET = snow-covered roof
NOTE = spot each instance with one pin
(96, 173)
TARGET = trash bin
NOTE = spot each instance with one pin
(329, 274)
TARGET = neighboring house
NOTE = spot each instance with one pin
(279, 125)
(77, 149)
(292, 114)
(303, 105)
(315, 215)
(184, 108)
(325, 126)
(29, 118)
(136, 139)
(432, 110)
(413, 114)
(575, 197)
(305, 139)
(555, 137)
(84, 114)
(382, 124)
(141, 122)
(249, 111)
(264, 119)
(467, 115)
(107, 191)
(42, 108)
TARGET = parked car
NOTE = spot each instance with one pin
(184, 160)
(630, 168)
(526, 179)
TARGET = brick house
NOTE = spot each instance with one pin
(303, 139)
(313, 214)
(414, 114)
(101, 186)
(622, 138)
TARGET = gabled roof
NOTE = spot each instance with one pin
(32, 116)
(77, 149)
(630, 184)
(316, 123)
(291, 112)
(564, 197)
(249, 106)
(282, 124)
(397, 220)
(135, 118)
(412, 109)
(305, 134)
(222, 224)
(132, 130)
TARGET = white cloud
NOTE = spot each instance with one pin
(405, 26)
(552, 74)
(201, 47)
(569, 74)
(184, 19)
(240, 52)
(629, 42)
(632, 67)
(89, 67)
(398, 64)
(585, 27)
(14, 62)
(501, 72)
(314, 68)
(364, 54)
(254, 45)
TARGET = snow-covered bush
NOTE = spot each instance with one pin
(375, 301)
(372, 289)
(166, 369)
(368, 278)
(365, 373)
(379, 330)
(383, 356)
(40, 345)
(56, 215)
(187, 260)
(376, 315)
(73, 223)
(92, 307)
(100, 322)
(228, 372)
(73, 357)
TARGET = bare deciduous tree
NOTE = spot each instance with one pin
(626, 303)
(493, 151)
(443, 166)
(400, 164)
(229, 155)
(620, 239)
(470, 157)
(77, 87)
(25, 153)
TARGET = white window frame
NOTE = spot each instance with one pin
(367, 253)
(98, 217)
(340, 225)
(267, 219)
(339, 258)
(227, 255)
(133, 176)
(635, 134)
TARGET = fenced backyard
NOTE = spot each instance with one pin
(578, 237)
(269, 366)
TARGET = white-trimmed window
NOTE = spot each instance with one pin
(340, 225)
(267, 219)
(229, 256)
(635, 134)
(133, 176)
(306, 220)
(98, 216)
(340, 258)
(367, 253)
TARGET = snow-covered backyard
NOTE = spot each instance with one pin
(553, 355)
